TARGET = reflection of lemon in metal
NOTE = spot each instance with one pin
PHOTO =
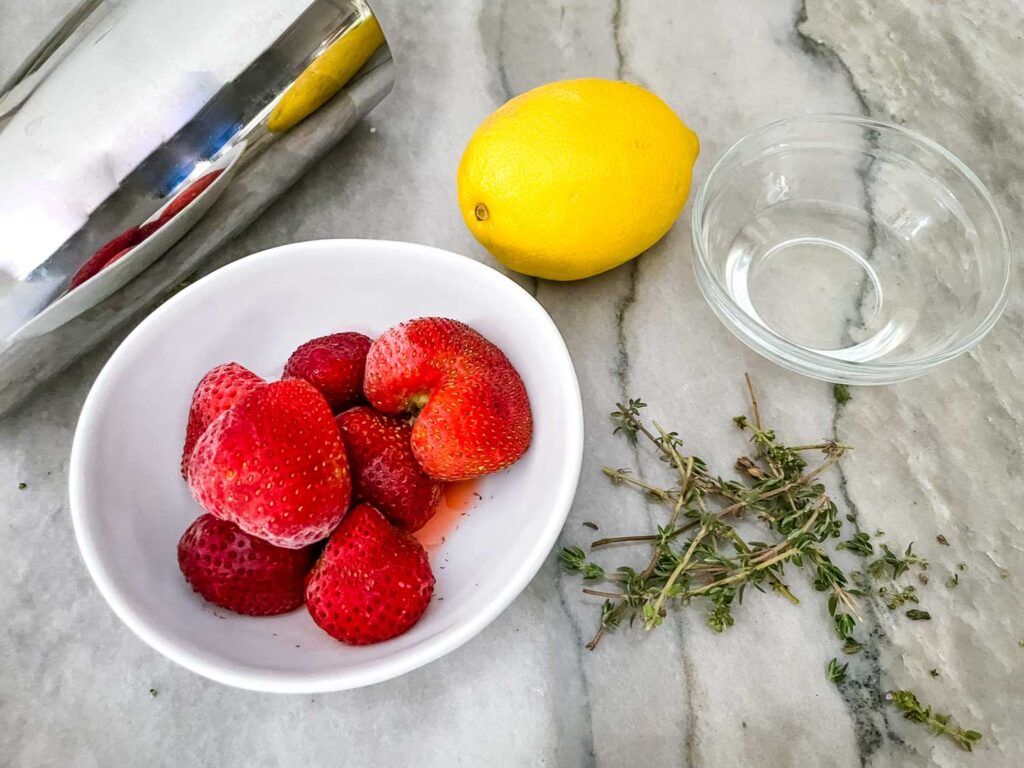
(327, 74)
(574, 178)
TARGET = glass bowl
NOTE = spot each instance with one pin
(849, 250)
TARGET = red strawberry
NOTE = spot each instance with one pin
(372, 582)
(113, 250)
(384, 472)
(475, 416)
(274, 465)
(220, 389)
(333, 364)
(239, 572)
(187, 195)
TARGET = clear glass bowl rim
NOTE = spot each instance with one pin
(820, 366)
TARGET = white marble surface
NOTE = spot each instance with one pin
(938, 455)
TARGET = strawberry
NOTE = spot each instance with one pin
(372, 582)
(240, 572)
(384, 472)
(274, 465)
(475, 416)
(182, 200)
(221, 388)
(333, 364)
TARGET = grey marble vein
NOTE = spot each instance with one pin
(863, 691)
(942, 454)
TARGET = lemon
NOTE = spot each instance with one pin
(574, 178)
(327, 74)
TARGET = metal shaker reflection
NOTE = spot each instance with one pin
(116, 144)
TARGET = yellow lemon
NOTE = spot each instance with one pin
(576, 177)
(327, 75)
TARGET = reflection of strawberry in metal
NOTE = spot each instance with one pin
(190, 193)
(113, 250)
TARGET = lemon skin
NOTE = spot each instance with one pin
(576, 177)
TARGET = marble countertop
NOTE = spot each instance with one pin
(938, 455)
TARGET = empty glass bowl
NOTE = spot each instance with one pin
(849, 250)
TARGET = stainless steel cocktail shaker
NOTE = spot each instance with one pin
(145, 134)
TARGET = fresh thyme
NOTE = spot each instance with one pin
(714, 564)
(697, 556)
(894, 599)
(574, 559)
(898, 564)
(859, 544)
(836, 672)
(941, 725)
(851, 647)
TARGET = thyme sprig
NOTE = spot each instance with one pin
(896, 563)
(836, 672)
(941, 725)
(896, 598)
(698, 555)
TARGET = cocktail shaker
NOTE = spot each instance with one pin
(145, 134)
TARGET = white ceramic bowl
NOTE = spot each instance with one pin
(130, 506)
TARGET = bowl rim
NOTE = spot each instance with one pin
(432, 647)
(780, 350)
